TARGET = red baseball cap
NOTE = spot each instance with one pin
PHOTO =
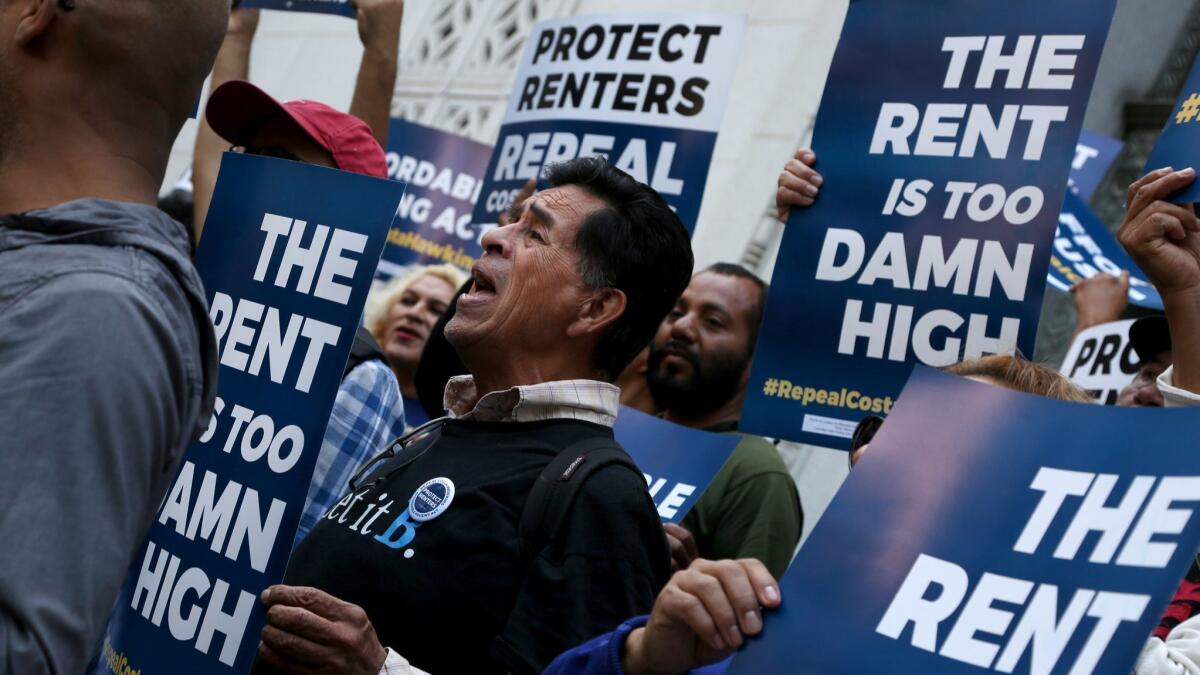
(237, 109)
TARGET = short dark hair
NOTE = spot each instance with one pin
(637, 245)
(756, 314)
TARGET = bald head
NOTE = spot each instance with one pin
(110, 78)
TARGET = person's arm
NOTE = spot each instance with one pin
(379, 24)
(233, 63)
(90, 384)
(1100, 299)
(757, 514)
(1164, 240)
(798, 183)
(761, 519)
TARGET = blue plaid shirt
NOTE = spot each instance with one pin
(367, 414)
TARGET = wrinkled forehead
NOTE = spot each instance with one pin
(563, 209)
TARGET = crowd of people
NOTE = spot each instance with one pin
(553, 558)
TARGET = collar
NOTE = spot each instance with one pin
(586, 400)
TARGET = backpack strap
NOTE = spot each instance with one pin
(363, 349)
(554, 492)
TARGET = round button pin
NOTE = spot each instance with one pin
(431, 499)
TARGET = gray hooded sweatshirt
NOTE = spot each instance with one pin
(108, 369)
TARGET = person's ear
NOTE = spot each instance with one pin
(34, 18)
(598, 312)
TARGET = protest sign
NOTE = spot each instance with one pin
(974, 536)
(1094, 155)
(444, 173)
(943, 176)
(1102, 360)
(287, 256)
(340, 7)
(678, 462)
(1179, 144)
(647, 91)
(1083, 248)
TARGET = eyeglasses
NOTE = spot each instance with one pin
(265, 151)
(427, 433)
(863, 433)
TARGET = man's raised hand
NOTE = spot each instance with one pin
(798, 183)
(1163, 238)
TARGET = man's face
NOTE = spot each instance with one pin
(281, 137)
(412, 316)
(700, 357)
(526, 287)
(1143, 391)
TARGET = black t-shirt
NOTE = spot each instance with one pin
(451, 594)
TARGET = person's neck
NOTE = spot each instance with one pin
(59, 158)
(638, 396)
(525, 370)
(726, 413)
(408, 382)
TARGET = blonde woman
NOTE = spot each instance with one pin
(401, 313)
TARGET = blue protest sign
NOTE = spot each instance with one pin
(975, 536)
(1094, 155)
(647, 91)
(678, 462)
(1083, 248)
(1179, 144)
(944, 137)
(287, 256)
(339, 7)
(444, 173)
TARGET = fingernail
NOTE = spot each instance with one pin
(720, 643)
(735, 636)
(810, 190)
(817, 179)
(771, 594)
(753, 623)
(1186, 172)
(266, 595)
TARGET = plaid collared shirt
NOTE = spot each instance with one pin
(587, 400)
(367, 414)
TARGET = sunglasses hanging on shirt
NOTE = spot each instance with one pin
(416, 442)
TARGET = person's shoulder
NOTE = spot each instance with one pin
(615, 488)
(756, 454)
(373, 373)
(71, 296)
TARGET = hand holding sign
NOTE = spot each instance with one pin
(799, 183)
(683, 546)
(379, 24)
(310, 631)
(701, 617)
(243, 23)
(1100, 299)
(1163, 238)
